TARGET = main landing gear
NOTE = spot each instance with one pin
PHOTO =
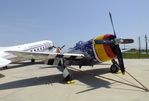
(114, 67)
(32, 60)
(63, 67)
(67, 76)
(5, 67)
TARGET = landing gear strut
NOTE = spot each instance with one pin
(66, 75)
(114, 67)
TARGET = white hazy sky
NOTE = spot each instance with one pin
(69, 21)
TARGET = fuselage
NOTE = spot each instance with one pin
(39, 46)
(95, 53)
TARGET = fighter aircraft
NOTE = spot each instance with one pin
(95, 51)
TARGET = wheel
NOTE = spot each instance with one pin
(68, 78)
(60, 63)
(114, 68)
(50, 62)
(6, 67)
(32, 60)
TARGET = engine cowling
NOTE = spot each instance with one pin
(104, 52)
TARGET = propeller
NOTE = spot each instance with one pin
(59, 47)
(114, 42)
(117, 49)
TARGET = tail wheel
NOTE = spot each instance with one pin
(114, 68)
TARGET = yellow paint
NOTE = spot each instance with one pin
(100, 51)
(71, 82)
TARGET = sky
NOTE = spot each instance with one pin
(69, 21)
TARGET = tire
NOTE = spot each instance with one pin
(5, 67)
(50, 62)
(32, 60)
(114, 68)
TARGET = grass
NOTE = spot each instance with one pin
(135, 55)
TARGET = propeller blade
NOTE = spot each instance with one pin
(120, 58)
(115, 41)
(59, 47)
(112, 23)
(103, 41)
(54, 47)
(126, 41)
(62, 47)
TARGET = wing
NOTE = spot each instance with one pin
(45, 55)
(4, 62)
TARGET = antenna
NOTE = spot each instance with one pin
(139, 46)
(146, 43)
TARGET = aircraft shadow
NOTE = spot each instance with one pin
(48, 66)
(83, 76)
(88, 78)
(32, 82)
(1, 75)
(22, 64)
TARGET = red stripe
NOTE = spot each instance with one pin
(107, 47)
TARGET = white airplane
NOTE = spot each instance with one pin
(17, 53)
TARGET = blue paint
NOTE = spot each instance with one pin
(85, 48)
